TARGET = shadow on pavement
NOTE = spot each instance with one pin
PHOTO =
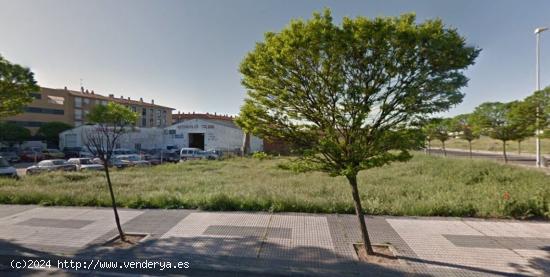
(206, 257)
(542, 264)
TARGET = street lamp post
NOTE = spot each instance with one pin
(537, 34)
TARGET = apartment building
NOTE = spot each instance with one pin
(71, 107)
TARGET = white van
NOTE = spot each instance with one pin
(191, 154)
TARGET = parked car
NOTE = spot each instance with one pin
(53, 154)
(72, 152)
(212, 154)
(85, 164)
(170, 156)
(6, 170)
(123, 151)
(118, 163)
(31, 155)
(50, 165)
(133, 160)
(159, 155)
(191, 154)
(85, 154)
(10, 156)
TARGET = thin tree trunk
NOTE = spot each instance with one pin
(352, 179)
(504, 152)
(470, 147)
(429, 147)
(519, 147)
(117, 220)
(444, 150)
(245, 148)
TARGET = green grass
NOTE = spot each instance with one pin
(489, 144)
(424, 186)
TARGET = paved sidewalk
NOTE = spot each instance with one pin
(247, 244)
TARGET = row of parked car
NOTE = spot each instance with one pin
(80, 159)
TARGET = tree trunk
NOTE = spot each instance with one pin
(352, 179)
(245, 148)
(504, 152)
(429, 147)
(519, 147)
(117, 220)
(470, 147)
(444, 150)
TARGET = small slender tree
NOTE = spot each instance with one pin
(496, 120)
(461, 124)
(350, 94)
(111, 121)
(439, 129)
(16, 85)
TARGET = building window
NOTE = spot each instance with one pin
(158, 122)
(36, 95)
(44, 110)
(144, 112)
(58, 100)
(133, 108)
(104, 102)
(28, 123)
(137, 146)
(143, 122)
(77, 114)
(78, 102)
(86, 101)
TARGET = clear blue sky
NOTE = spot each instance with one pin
(185, 54)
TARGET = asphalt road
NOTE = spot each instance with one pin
(526, 160)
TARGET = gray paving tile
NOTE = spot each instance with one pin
(56, 223)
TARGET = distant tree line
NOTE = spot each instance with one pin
(513, 121)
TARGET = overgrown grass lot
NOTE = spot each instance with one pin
(424, 186)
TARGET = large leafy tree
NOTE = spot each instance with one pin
(523, 114)
(11, 133)
(496, 120)
(50, 131)
(462, 125)
(349, 94)
(111, 122)
(16, 85)
(527, 111)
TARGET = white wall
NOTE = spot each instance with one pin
(216, 136)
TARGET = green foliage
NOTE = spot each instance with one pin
(424, 186)
(51, 130)
(12, 133)
(438, 129)
(462, 125)
(260, 155)
(498, 121)
(16, 85)
(350, 94)
(112, 114)
(111, 120)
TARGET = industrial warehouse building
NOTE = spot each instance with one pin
(206, 134)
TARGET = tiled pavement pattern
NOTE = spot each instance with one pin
(284, 243)
(29, 227)
(475, 245)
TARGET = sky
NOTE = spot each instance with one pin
(185, 54)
